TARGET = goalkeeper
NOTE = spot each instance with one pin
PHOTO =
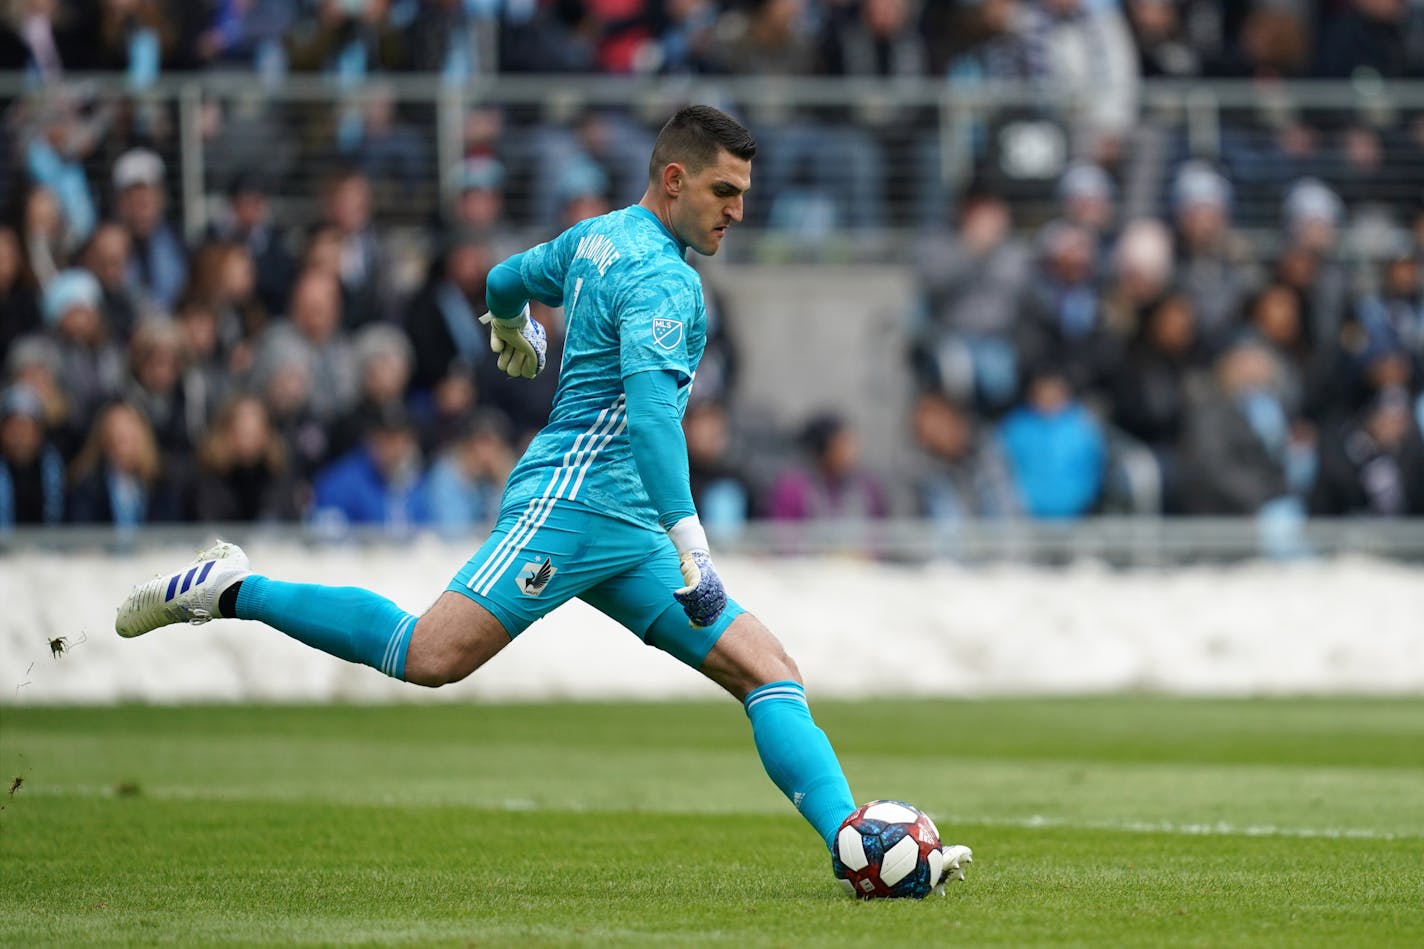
(599, 506)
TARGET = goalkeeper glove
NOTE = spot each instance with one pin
(520, 343)
(702, 596)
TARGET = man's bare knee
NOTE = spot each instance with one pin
(747, 656)
(454, 638)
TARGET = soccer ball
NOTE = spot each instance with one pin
(887, 850)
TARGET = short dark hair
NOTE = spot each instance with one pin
(694, 136)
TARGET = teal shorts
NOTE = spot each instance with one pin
(550, 552)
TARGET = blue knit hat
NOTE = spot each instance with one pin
(68, 289)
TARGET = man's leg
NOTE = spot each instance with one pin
(449, 641)
(749, 662)
(455, 636)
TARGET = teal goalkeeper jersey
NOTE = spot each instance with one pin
(631, 304)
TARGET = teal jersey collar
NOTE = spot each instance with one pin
(639, 209)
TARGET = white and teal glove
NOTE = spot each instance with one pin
(702, 595)
(520, 343)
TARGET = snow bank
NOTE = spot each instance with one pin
(1351, 625)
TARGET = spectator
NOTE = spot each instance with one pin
(243, 470)
(246, 33)
(559, 37)
(1275, 316)
(363, 263)
(983, 41)
(348, 39)
(108, 257)
(1272, 43)
(134, 37)
(388, 151)
(44, 238)
(466, 482)
(314, 323)
(118, 476)
(525, 402)
(205, 375)
(477, 204)
(717, 372)
(581, 189)
(1311, 264)
(1237, 440)
(383, 363)
(1055, 448)
(379, 483)
(1090, 55)
(159, 266)
(1214, 264)
(156, 387)
(1088, 197)
(91, 366)
(1373, 465)
(54, 153)
(454, 38)
(831, 484)
(721, 488)
(31, 42)
(31, 468)
(1368, 38)
(247, 219)
(35, 362)
(1141, 272)
(1164, 46)
(19, 293)
(973, 284)
(1150, 391)
(960, 474)
(1063, 317)
(443, 316)
(224, 280)
(1394, 317)
(684, 34)
(282, 375)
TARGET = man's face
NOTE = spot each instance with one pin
(20, 438)
(141, 208)
(108, 256)
(709, 201)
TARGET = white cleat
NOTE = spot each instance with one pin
(957, 859)
(188, 596)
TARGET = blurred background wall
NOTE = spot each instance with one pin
(1022, 283)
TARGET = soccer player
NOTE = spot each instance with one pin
(599, 507)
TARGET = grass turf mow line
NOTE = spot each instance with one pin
(950, 820)
(462, 825)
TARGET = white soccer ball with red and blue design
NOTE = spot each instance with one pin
(887, 850)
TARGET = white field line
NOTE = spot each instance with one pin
(1032, 822)
(1205, 829)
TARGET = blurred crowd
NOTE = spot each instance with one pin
(284, 363)
(1179, 38)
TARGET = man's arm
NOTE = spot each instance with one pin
(514, 334)
(660, 453)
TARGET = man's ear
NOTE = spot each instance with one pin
(674, 177)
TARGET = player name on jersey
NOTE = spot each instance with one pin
(598, 249)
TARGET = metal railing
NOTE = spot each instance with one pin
(1122, 541)
(918, 140)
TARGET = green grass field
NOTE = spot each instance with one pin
(1123, 821)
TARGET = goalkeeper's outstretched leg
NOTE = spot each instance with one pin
(749, 662)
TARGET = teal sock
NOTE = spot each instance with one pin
(348, 622)
(798, 756)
